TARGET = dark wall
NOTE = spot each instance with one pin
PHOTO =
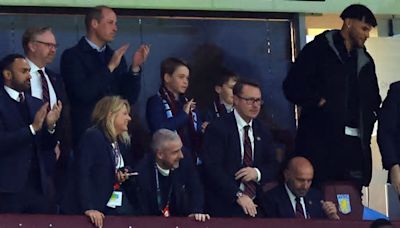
(256, 48)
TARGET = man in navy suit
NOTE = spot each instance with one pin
(27, 142)
(168, 183)
(389, 134)
(295, 198)
(238, 156)
(40, 48)
(92, 70)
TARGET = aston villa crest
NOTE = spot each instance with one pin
(344, 203)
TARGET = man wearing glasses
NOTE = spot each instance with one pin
(40, 46)
(238, 156)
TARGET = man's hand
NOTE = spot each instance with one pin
(122, 175)
(117, 56)
(140, 56)
(54, 115)
(330, 210)
(204, 126)
(200, 217)
(395, 177)
(96, 217)
(321, 102)
(247, 204)
(246, 174)
(189, 106)
(39, 117)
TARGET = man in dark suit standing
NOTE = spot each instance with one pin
(26, 142)
(168, 183)
(92, 70)
(40, 48)
(238, 156)
(389, 134)
(295, 198)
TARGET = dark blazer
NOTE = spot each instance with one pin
(157, 119)
(187, 192)
(221, 158)
(17, 145)
(276, 203)
(87, 79)
(95, 170)
(389, 127)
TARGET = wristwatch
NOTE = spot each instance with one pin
(239, 194)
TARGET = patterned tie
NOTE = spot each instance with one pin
(299, 209)
(45, 89)
(250, 187)
(21, 97)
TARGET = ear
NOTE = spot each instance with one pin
(286, 175)
(159, 155)
(7, 75)
(94, 23)
(348, 22)
(217, 89)
(31, 46)
(167, 78)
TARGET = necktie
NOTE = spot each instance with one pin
(21, 97)
(250, 187)
(299, 209)
(45, 89)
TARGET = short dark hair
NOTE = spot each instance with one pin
(237, 89)
(169, 65)
(224, 76)
(380, 222)
(95, 13)
(7, 61)
(30, 35)
(360, 12)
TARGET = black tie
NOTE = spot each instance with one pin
(45, 89)
(299, 209)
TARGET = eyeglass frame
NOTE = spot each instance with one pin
(251, 100)
(49, 45)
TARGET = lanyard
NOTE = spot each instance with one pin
(165, 210)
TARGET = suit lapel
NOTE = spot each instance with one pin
(236, 139)
(286, 208)
(257, 142)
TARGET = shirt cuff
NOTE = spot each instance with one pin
(32, 130)
(136, 73)
(258, 175)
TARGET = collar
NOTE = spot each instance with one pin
(34, 67)
(164, 172)
(94, 46)
(228, 107)
(12, 93)
(292, 197)
(241, 123)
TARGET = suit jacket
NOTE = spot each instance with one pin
(95, 170)
(389, 127)
(276, 203)
(221, 158)
(187, 192)
(87, 80)
(17, 145)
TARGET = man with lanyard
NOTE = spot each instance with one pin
(168, 183)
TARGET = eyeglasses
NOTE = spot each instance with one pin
(251, 100)
(49, 45)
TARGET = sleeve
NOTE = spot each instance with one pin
(157, 119)
(301, 84)
(388, 128)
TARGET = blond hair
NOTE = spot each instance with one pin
(104, 114)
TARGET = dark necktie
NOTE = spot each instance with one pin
(299, 209)
(21, 97)
(45, 89)
(249, 187)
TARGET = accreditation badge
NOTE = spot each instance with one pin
(344, 203)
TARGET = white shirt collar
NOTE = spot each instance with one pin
(241, 123)
(228, 107)
(13, 93)
(164, 172)
(34, 67)
(94, 46)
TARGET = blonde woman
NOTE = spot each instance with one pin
(102, 170)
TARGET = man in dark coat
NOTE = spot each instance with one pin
(92, 70)
(389, 134)
(168, 183)
(295, 198)
(333, 82)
